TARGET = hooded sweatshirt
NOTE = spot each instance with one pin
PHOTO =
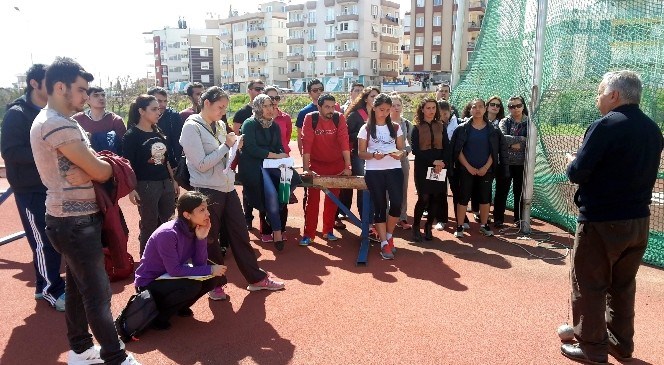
(21, 170)
(207, 155)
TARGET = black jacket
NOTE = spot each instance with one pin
(171, 124)
(21, 170)
(616, 166)
(496, 140)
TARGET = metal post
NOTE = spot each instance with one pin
(531, 144)
(462, 14)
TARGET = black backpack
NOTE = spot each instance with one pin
(314, 119)
(140, 311)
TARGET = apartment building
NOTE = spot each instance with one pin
(252, 46)
(343, 41)
(432, 33)
(405, 43)
(181, 55)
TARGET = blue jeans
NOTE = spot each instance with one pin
(273, 208)
(78, 240)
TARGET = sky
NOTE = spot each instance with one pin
(105, 37)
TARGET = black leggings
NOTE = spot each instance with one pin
(380, 184)
(503, 189)
(432, 204)
(175, 294)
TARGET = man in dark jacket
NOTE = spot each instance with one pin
(170, 123)
(616, 169)
(29, 192)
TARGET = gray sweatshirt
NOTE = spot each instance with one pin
(206, 155)
(515, 133)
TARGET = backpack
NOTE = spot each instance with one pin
(314, 119)
(140, 311)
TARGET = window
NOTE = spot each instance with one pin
(203, 39)
(268, 9)
(238, 27)
(437, 40)
(437, 20)
(204, 52)
(312, 50)
(282, 70)
(346, 65)
(330, 67)
(374, 64)
(330, 14)
(205, 78)
(374, 10)
(420, 3)
(419, 59)
(420, 21)
(280, 40)
(280, 55)
(343, 26)
(312, 34)
(419, 41)
(312, 16)
(345, 47)
(435, 59)
(437, 2)
(374, 47)
(329, 33)
(205, 65)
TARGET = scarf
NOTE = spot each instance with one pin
(257, 106)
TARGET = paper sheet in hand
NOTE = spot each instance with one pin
(273, 163)
(166, 276)
(432, 175)
(232, 153)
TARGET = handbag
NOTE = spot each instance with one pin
(140, 311)
(181, 174)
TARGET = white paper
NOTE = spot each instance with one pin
(273, 163)
(167, 276)
(431, 175)
(231, 154)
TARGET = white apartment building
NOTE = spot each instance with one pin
(252, 46)
(181, 55)
(343, 41)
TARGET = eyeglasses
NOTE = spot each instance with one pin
(275, 98)
(259, 89)
(497, 105)
(515, 106)
(317, 89)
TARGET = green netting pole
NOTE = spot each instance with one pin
(531, 145)
(462, 13)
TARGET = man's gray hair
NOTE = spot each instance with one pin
(627, 83)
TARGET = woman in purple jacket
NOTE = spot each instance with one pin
(169, 252)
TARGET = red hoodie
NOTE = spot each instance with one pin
(326, 144)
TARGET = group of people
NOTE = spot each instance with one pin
(49, 145)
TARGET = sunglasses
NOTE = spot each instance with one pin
(497, 105)
(259, 89)
(275, 98)
(317, 89)
(515, 106)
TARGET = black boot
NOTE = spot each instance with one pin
(417, 236)
(279, 245)
(428, 235)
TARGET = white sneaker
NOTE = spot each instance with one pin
(89, 356)
(439, 226)
(130, 360)
(60, 303)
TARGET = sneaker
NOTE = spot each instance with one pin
(373, 234)
(425, 214)
(476, 216)
(330, 237)
(39, 296)
(89, 356)
(338, 224)
(217, 293)
(185, 312)
(266, 284)
(386, 252)
(439, 226)
(341, 216)
(130, 360)
(486, 230)
(466, 226)
(390, 243)
(404, 225)
(305, 241)
(459, 232)
(265, 238)
(60, 303)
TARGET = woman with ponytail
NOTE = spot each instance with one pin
(144, 145)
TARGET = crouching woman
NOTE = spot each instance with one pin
(170, 250)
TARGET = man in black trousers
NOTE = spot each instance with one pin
(616, 168)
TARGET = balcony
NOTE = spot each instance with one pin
(257, 45)
(477, 6)
(311, 4)
(329, 20)
(390, 4)
(255, 30)
(258, 74)
(394, 56)
(474, 26)
(312, 41)
(347, 35)
(311, 22)
(348, 2)
(295, 57)
(254, 61)
(389, 20)
(328, 3)
(384, 37)
(341, 72)
(388, 73)
(328, 39)
(330, 55)
(295, 74)
(226, 62)
(295, 24)
(294, 7)
(347, 53)
(342, 17)
(290, 41)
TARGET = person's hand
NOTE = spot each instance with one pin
(570, 156)
(76, 176)
(203, 230)
(230, 139)
(346, 172)
(378, 155)
(516, 146)
(218, 270)
(134, 198)
(397, 155)
(240, 144)
(473, 171)
(482, 171)
(176, 188)
(281, 155)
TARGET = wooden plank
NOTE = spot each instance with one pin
(335, 182)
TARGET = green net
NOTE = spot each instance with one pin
(584, 39)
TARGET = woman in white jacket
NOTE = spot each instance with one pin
(206, 145)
